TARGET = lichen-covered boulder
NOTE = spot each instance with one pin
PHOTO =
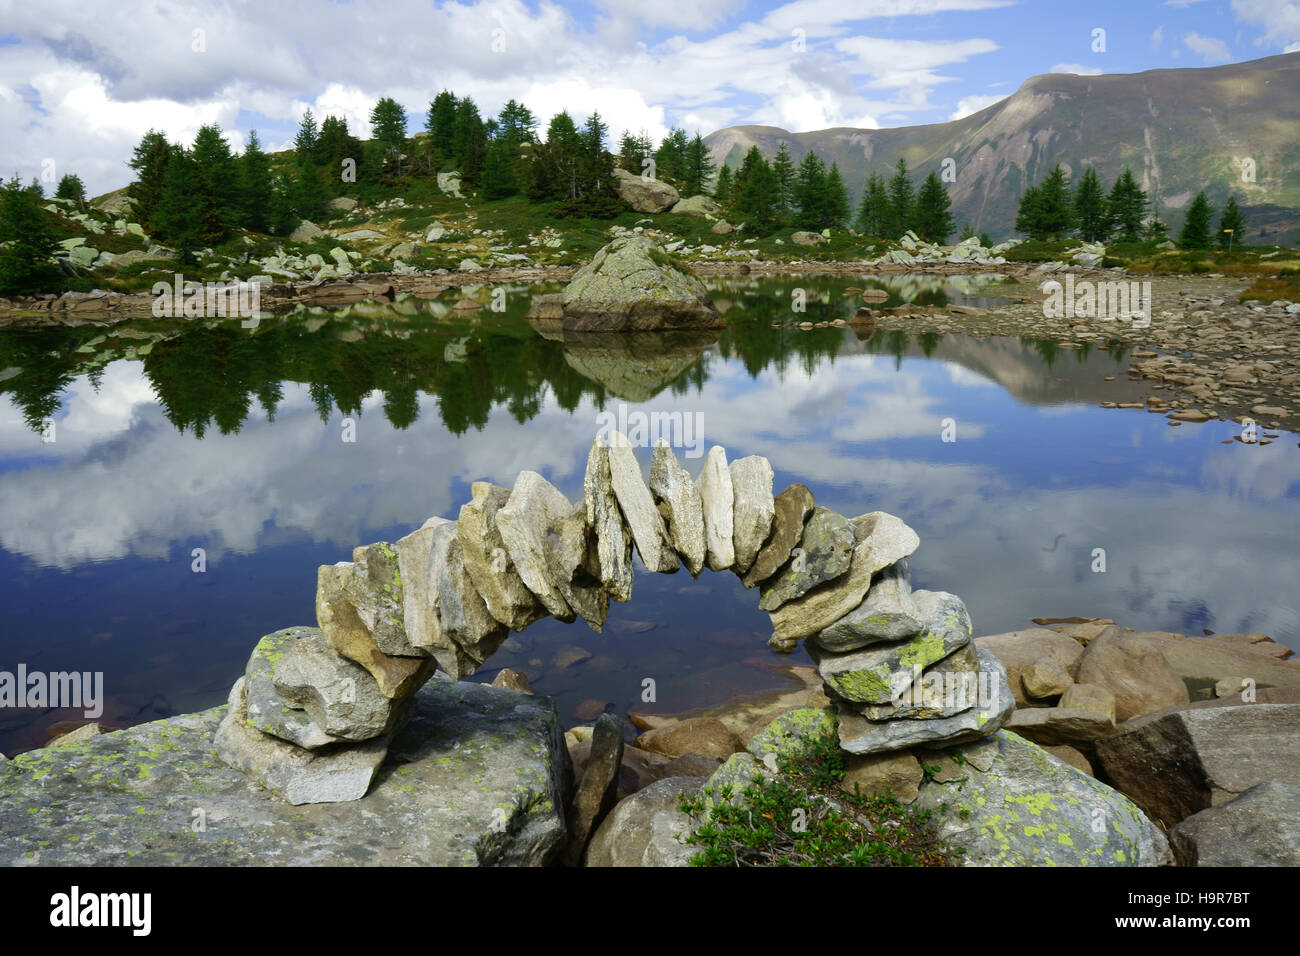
(632, 285)
(697, 205)
(644, 195)
(1032, 809)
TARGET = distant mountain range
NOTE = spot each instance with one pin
(1180, 130)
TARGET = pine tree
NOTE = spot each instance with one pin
(553, 172)
(837, 200)
(783, 168)
(1090, 208)
(1195, 233)
(1055, 204)
(469, 141)
(71, 187)
(516, 125)
(183, 213)
(698, 166)
(335, 145)
(901, 200)
(498, 172)
(1232, 219)
(933, 217)
(149, 160)
(1029, 219)
(388, 128)
(255, 186)
(441, 124)
(304, 143)
(670, 157)
(27, 243)
(873, 212)
(1126, 207)
(810, 193)
(1156, 230)
(724, 188)
(217, 183)
(280, 217)
(757, 198)
(307, 192)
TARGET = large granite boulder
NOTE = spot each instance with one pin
(631, 285)
(449, 794)
(1176, 764)
(644, 195)
(1031, 809)
(1261, 827)
(646, 828)
(697, 205)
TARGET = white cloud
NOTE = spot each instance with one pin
(973, 104)
(1210, 49)
(1157, 37)
(1279, 18)
(83, 83)
(1078, 68)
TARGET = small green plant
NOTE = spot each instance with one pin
(928, 771)
(806, 817)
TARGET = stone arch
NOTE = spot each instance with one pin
(319, 704)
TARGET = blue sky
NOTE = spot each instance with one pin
(82, 80)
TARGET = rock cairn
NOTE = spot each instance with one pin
(316, 708)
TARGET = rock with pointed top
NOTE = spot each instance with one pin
(574, 566)
(638, 507)
(676, 494)
(461, 610)
(613, 540)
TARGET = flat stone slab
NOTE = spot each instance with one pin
(451, 779)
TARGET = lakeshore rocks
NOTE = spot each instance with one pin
(1261, 827)
(1175, 764)
(1133, 671)
(598, 791)
(632, 285)
(645, 829)
(1031, 809)
(339, 696)
(267, 710)
(644, 195)
(1018, 650)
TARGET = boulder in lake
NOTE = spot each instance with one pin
(633, 285)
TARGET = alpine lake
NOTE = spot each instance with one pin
(169, 487)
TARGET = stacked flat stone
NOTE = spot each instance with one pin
(312, 715)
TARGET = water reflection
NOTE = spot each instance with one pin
(171, 438)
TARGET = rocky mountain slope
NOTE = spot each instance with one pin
(1180, 131)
